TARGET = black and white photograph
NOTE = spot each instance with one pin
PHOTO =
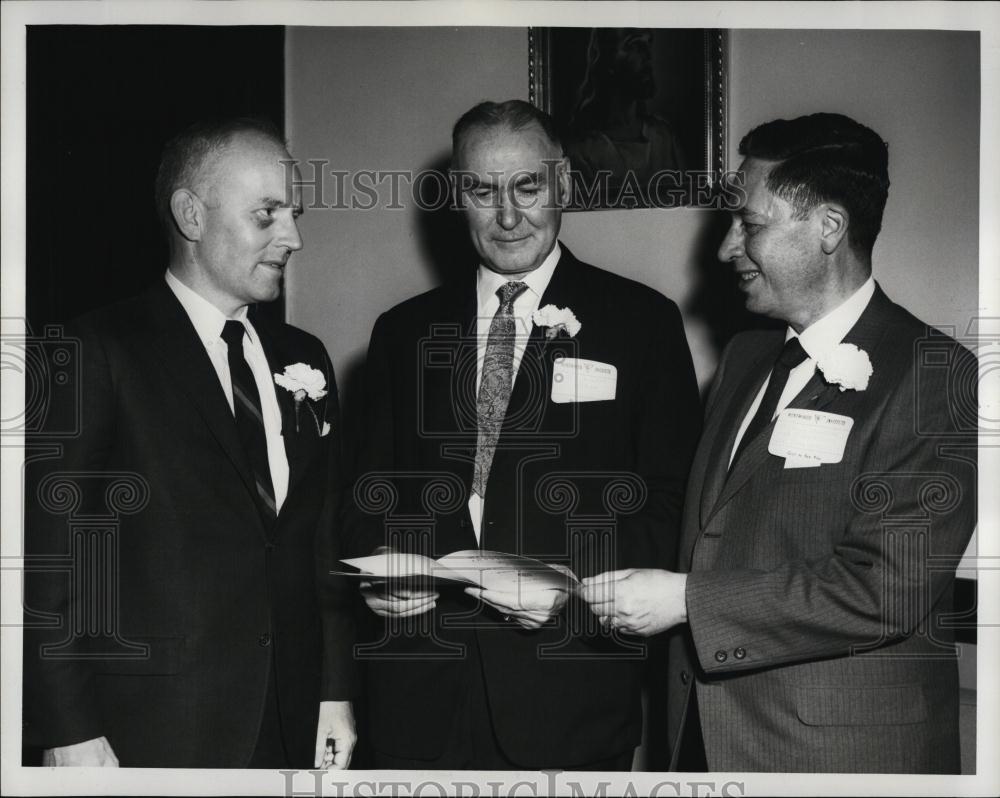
(541, 398)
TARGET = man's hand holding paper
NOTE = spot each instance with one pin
(641, 601)
(397, 601)
(528, 603)
(392, 599)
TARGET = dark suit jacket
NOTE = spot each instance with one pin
(166, 649)
(594, 485)
(816, 594)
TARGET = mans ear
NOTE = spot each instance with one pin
(188, 213)
(565, 182)
(834, 222)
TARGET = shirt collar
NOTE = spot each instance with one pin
(207, 319)
(823, 335)
(537, 280)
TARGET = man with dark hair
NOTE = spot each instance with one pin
(827, 157)
(538, 406)
(209, 635)
(830, 500)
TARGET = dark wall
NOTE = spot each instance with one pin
(101, 103)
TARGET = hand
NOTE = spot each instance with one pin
(397, 602)
(642, 601)
(94, 753)
(335, 735)
(530, 608)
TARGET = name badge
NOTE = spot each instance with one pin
(577, 380)
(809, 438)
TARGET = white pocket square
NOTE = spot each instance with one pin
(326, 430)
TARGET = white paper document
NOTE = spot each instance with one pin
(491, 570)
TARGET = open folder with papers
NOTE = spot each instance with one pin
(491, 570)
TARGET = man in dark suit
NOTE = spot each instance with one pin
(567, 438)
(831, 497)
(207, 633)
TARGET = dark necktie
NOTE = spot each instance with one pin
(249, 420)
(496, 383)
(792, 354)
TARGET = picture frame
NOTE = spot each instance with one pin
(641, 111)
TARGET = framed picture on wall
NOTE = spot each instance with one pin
(642, 111)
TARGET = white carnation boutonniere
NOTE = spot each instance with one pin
(846, 366)
(558, 320)
(304, 382)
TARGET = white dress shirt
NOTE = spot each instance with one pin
(208, 322)
(817, 339)
(487, 283)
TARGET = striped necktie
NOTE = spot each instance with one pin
(249, 419)
(496, 383)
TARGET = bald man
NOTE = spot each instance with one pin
(227, 646)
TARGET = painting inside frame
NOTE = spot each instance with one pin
(641, 111)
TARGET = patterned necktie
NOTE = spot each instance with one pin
(792, 355)
(496, 383)
(249, 419)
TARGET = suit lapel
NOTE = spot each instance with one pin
(866, 334)
(183, 355)
(756, 451)
(727, 425)
(534, 374)
(455, 414)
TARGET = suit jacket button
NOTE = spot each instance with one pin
(685, 677)
(264, 640)
(720, 656)
(740, 653)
